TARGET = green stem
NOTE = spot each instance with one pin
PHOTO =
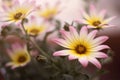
(33, 42)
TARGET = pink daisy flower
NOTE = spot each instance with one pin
(17, 11)
(82, 46)
(95, 19)
(19, 56)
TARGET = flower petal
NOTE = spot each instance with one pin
(91, 35)
(72, 57)
(83, 32)
(99, 40)
(95, 62)
(102, 13)
(83, 60)
(9, 64)
(109, 19)
(101, 47)
(73, 32)
(100, 55)
(61, 53)
(66, 35)
(85, 15)
(62, 42)
(93, 10)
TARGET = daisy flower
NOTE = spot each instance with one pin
(83, 46)
(19, 56)
(18, 11)
(95, 19)
(35, 26)
(49, 11)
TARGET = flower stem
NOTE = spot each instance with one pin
(33, 42)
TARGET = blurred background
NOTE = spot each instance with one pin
(72, 12)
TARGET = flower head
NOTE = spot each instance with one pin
(17, 11)
(19, 56)
(96, 19)
(48, 11)
(83, 46)
(35, 27)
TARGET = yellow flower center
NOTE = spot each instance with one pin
(18, 15)
(96, 23)
(35, 31)
(80, 49)
(22, 59)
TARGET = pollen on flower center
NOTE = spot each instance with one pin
(80, 49)
(35, 31)
(96, 23)
(22, 59)
(18, 15)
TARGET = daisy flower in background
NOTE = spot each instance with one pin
(82, 46)
(49, 11)
(19, 56)
(7, 3)
(35, 26)
(95, 19)
(17, 11)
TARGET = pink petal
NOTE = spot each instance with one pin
(10, 53)
(65, 34)
(16, 2)
(74, 32)
(92, 10)
(16, 46)
(61, 53)
(83, 60)
(95, 62)
(101, 47)
(72, 57)
(81, 21)
(9, 64)
(100, 55)
(85, 15)
(102, 13)
(61, 42)
(83, 32)
(15, 66)
(109, 19)
(91, 35)
(109, 25)
(99, 40)
(90, 26)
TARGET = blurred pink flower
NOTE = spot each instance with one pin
(19, 56)
(95, 19)
(16, 11)
(48, 11)
(82, 46)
